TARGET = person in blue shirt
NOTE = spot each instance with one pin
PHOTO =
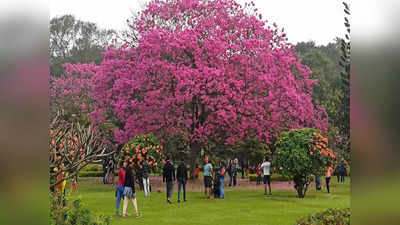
(207, 177)
(342, 171)
(221, 173)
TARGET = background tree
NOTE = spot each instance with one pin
(329, 91)
(76, 41)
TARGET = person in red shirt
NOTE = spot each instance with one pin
(120, 185)
(258, 174)
(196, 172)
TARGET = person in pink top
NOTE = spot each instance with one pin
(328, 177)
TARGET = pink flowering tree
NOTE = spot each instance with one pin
(72, 92)
(209, 70)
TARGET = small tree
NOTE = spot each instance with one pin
(301, 153)
(73, 146)
(141, 147)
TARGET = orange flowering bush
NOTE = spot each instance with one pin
(141, 147)
(300, 154)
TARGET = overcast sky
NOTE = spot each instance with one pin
(317, 20)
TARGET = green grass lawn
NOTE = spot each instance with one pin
(239, 206)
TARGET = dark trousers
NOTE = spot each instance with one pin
(182, 184)
(170, 187)
(259, 178)
(327, 180)
(317, 183)
(342, 175)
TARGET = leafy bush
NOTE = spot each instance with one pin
(74, 214)
(301, 154)
(328, 217)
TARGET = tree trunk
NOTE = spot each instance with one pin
(193, 157)
(300, 185)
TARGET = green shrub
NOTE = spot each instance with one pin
(93, 167)
(328, 217)
(74, 214)
(92, 174)
(300, 154)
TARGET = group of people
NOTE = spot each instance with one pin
(213, 184)
(125, 189)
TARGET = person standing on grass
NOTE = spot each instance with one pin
(119, 192)
(258, 174)
(230, 172)
(145, 174)
(265, 166)
(197, 171)
(235, 168)
(207, 177)
(328, 175)
(169, 178)
(221, 173)
(181, 176)
(317, 183)
(342, 171)
(129, 191)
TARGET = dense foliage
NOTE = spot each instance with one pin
(300, 154)
(330, 91)
(75, 41)
(328, 217)
(74, 214)
(141, 147)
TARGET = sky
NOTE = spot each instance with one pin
(317, 20)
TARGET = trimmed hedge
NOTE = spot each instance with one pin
(92, 174)
(274, 177)
(328, 217)
(93, 167)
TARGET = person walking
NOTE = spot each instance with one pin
(342, 171)
(169, 178)
(129, 191)
(221, 173)
(145, 177)
(207, 177)
(265, 166)
(181, 176)
(328, 175)
(119, 192)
